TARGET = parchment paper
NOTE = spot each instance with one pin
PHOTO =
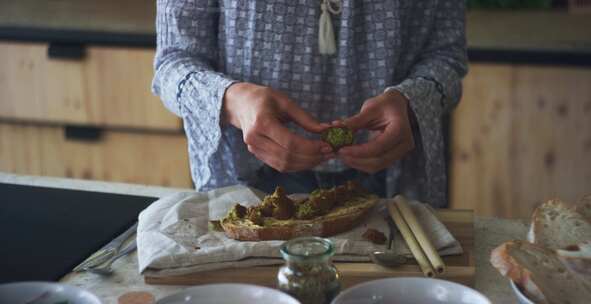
(173, 236)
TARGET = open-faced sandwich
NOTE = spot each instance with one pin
(324, 212)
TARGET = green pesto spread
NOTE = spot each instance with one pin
(349, 206)
(338, 137)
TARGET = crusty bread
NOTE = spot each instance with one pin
(577, 258)
(338, 220)
(584, 206)
(540, 273)
(556, 224)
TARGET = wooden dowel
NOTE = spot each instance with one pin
(412, 243)
(419, 234)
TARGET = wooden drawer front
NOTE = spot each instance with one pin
(521, 136)
(133, 157)
(107, 87)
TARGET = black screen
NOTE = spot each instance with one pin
(46, 232)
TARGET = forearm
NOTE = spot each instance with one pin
(188, 85)
(435, 80)
(186, 62)
(433, 87)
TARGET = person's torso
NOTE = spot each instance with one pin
(275, 43)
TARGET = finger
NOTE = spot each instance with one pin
(301, 117)
(280, 164)
(375, 164)
(293, 142)
(377, 146)
(291, 156)
(272, 128)
(362, 120)
(282, 158)
(266, 158)
(337, 123)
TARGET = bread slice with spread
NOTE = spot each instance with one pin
(325, 212)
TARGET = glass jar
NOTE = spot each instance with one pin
(308, 273)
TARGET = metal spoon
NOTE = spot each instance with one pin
(387, 258)
(106, 269)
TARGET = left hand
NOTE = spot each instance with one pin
(387, 116)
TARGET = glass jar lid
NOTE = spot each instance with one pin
(309, 248)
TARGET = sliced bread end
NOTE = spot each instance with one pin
(577, 258)
(556, 224)
(502, 259)
(584, 206)
(540, 273)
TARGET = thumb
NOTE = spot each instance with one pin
(302, 118)
(358, 121)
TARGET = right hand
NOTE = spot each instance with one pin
(260, 112)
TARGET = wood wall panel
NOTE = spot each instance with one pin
(132, 157)
(123, 94)
(480, 148)
(521, 135)
(33, 87)
(109, 87)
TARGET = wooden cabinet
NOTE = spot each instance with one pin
(520, 136)
(107, 87)
(123, 156)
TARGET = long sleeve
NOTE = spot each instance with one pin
(187, 56)
(185, 73)
(433, 87)
(442, 63)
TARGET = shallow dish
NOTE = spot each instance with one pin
(521, 297)
(229, 294)
(410, 291)
(45, 293)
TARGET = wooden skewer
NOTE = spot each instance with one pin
(420, 234)
(412, 243)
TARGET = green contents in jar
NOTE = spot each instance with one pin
(308, 274)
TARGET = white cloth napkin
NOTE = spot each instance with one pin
(173, 236)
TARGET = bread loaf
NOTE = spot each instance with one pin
(556, 224)
(540, 273)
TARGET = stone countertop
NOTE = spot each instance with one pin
(489, 233)
(531, 31)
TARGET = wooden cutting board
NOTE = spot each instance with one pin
(460, 268)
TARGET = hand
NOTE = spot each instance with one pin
(260, 113)
(387, 116)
